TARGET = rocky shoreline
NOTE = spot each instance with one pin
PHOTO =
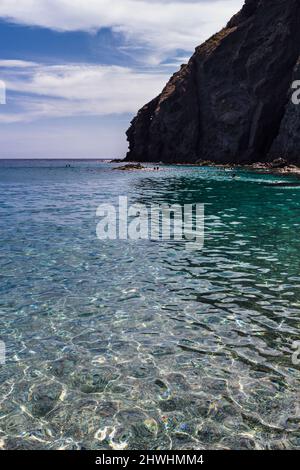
(278, 166)
(133, 166)
(285, 170)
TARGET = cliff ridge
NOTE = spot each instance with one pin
(231, 102)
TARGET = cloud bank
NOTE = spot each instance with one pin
(53, 91)
(159, 26)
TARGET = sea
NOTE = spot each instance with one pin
(146, 344)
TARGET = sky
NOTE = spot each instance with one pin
(76, 72)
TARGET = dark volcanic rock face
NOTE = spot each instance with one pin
(231, 102)
(287, 143)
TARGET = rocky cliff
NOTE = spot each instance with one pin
(231, 102)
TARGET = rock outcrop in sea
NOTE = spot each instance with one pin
(232, 102)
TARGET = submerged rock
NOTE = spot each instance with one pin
(91, 381)
(130, 167)
(44, 398)
(232, 102)
(279, 163)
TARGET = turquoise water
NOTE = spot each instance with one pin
(147, 345)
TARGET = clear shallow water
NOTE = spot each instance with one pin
(146, 345)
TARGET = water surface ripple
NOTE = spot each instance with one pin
(147, 345)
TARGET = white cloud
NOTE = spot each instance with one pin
(161, 26)
(43, 91)
(17, 64)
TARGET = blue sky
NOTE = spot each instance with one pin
(77, 71)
